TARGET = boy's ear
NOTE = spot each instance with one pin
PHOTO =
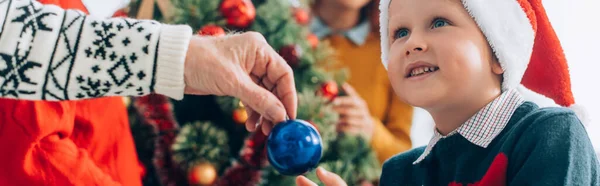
(496, 67)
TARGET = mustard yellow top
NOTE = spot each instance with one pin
(392, 117)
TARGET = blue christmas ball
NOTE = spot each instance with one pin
(294, 147)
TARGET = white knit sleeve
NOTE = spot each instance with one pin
(47, 53)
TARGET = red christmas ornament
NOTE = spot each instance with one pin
(313, 40)
(239, 13)
(120, 13)
(301, 16)
(249, 143)
(329, 90)
(291, 54)
(202, 174)
(143, 170)
(211, 30)
(240, 116)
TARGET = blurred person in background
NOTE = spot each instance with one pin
(369, 107)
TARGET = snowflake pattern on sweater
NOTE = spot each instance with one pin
(52, 54)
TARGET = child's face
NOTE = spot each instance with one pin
(441, 37)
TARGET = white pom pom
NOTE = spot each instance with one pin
(581, 113)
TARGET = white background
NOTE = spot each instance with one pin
(577, 24)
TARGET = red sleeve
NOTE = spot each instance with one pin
(37, 150)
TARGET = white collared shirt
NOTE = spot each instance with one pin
(484, 126)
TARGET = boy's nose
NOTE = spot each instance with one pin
(415, 49)
(416, 44)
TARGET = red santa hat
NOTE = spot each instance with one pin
(523, 40)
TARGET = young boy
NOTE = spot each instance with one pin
(475, 66)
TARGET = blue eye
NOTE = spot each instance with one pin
(401, 33)
(439, 23)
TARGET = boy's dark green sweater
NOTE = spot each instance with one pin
(539, 146)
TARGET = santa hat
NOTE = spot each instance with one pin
(523, 40)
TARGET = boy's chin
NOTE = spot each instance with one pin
(422, 100)
(423, 104)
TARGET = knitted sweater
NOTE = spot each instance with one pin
(49, 53)
(539, 146)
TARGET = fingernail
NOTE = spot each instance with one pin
(267, 128)
(249, 128)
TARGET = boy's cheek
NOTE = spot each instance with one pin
(395, 64)
(395, 50)
(395, 57)
(395, 74)
(399, 90)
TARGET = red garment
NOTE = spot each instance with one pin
(64, 143)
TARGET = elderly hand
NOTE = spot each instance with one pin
(246, 67)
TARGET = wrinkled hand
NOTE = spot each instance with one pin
(328, 178)
(246, 67)
(354, 114)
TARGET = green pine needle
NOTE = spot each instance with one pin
(200, 142)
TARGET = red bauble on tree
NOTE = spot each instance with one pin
(211, 30)
(120, 13)
(203, 174)
(313, 40)
(329, 90)
(301, 16)
(239, 13)
(291, 54)
(240, 116)
(143, 170)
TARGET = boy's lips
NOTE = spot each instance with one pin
(419, 68)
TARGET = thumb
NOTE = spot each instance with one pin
(261, 100)
(329, 179)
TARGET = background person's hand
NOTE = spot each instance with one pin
(354, 113)
(246, 67)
